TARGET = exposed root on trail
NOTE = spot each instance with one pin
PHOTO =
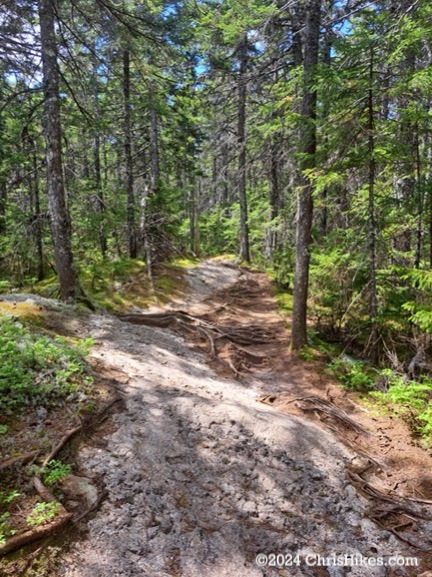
(201, 327)
(319, 405)
(68, 435)
(390, 511)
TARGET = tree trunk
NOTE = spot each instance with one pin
(37, 217)
(419, 187)
(193, 216)
(273, 195)
(430, 228)
(373, 300)
(241, 143)
(154, 144)
(3, 197)
(305, 201)
(130, 202)
(323, 219)
(59, 218)
(100, 202)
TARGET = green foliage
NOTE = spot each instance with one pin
(37, 369)
(41, 513)
(411, 399)
(353, 375)
(284, 301)
(404, 395)
(424, 419)
(420, 307)
(306, 354)
(5, 530)
(218, 230)
(283, 267)
(55, 471)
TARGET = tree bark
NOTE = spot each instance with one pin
(241, 143)
(100, 201)
(326, 59)
(37, 216)
(3, 198)
(305, 185)
(59, 218)
(420, 201)
(130, 202)
(154, 143)
(194, 216)
(373, 299)
(273, 194)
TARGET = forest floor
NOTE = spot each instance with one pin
(225, 446)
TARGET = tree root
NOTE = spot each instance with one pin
(397, 503)
(319, 405)
(239, 337)
(323, 406)
(395, 507)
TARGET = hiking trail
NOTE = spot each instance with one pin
(202, 470)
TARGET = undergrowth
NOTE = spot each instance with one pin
(120, 284)
(410, 399)
(36, 369)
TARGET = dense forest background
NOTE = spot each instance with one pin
(296, 135)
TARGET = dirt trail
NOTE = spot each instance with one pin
(200, 475)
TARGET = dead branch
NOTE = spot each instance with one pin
(18, 541)
(60, 445)
(21, 459)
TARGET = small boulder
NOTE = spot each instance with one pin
(80, 487)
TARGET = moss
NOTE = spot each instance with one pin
(26, 311)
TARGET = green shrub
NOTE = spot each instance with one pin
(42, 512)
(409, 398)
(55, 471)
(5, 530)
(36, 369)
(405, 395)
(352, 374)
